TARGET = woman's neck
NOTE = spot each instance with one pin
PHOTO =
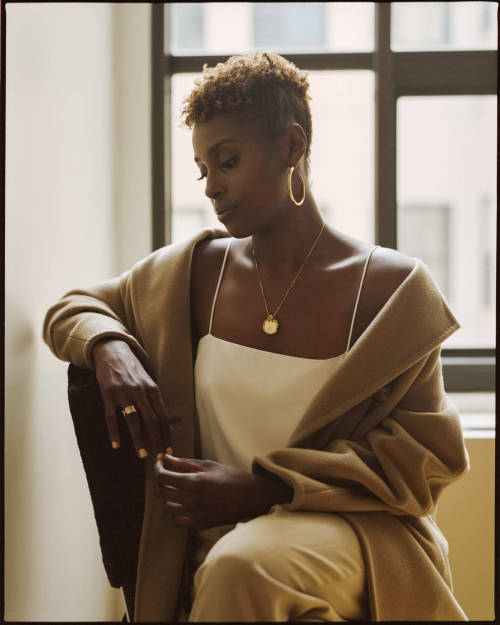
(285, 243)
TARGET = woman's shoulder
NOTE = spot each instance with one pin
(386, 270)
(389, 267)
(208, 255)
(210, 249)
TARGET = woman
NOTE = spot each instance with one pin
(291, 373)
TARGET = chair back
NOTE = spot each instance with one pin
(115, 479)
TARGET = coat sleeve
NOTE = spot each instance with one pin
(83, 316)
(400, 466)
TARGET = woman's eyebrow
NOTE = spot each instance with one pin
(214, 147)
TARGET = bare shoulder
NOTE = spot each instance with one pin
(386, 270)
(208, 255)
(390, 267)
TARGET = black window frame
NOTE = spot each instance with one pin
(397, 73)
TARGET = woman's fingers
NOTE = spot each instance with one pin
(186, 482)
(132, 419)
(111, 423)
(140, 418)
(179, 515)
(152, 423)
(173, 494)
(181, 464)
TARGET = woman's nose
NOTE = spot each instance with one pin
(213, 189)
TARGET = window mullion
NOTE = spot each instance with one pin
(385, 131)
(470, 72)
(306, 61)
(160, 142)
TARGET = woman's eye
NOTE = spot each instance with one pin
(232, 162)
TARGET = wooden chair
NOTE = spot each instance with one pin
(115, 479)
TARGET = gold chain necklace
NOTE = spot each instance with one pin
(271, 324)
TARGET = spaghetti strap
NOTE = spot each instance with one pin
(218, 285)
(359, 293)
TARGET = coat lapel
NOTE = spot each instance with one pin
(168, 302)
(166, 299)
(414, 321)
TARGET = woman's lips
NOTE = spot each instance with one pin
(224, 212)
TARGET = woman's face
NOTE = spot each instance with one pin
(245, 173)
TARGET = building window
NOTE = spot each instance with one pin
(446, 181)
(443, 25)
(289, 25)
(424, 232)
(188, 27)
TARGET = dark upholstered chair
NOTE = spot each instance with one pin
(115, 479)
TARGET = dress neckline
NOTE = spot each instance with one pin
(263, 351)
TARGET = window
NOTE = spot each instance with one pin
(444, 25)
(188, 27)
(424, 232)
(446, 184)
(236, 27)
(404, 98)
(279, 26)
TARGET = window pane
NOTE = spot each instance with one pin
(187, 32)
(289, 25)
(476, 411)
(447, 203)
(342, 149)
(341, 156)
(443, 25)
(239, 27)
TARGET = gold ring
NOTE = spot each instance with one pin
(129, 410)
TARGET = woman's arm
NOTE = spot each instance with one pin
(82, 317)
(96, 329)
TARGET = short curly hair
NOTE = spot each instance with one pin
(265, 86)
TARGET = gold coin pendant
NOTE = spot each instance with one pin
(270, 325)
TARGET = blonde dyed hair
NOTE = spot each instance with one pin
(266, 87)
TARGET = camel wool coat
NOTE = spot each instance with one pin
(377, 445)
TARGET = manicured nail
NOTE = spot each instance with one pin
(115, 445)
(142, 452)
(170, 451)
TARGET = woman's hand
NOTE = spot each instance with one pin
(123, 382)
(203, 493)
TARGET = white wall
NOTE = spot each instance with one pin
(132, 107)
(76, 174)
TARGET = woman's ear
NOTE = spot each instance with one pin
(297, 142)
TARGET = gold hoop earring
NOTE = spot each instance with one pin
(290, 192)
